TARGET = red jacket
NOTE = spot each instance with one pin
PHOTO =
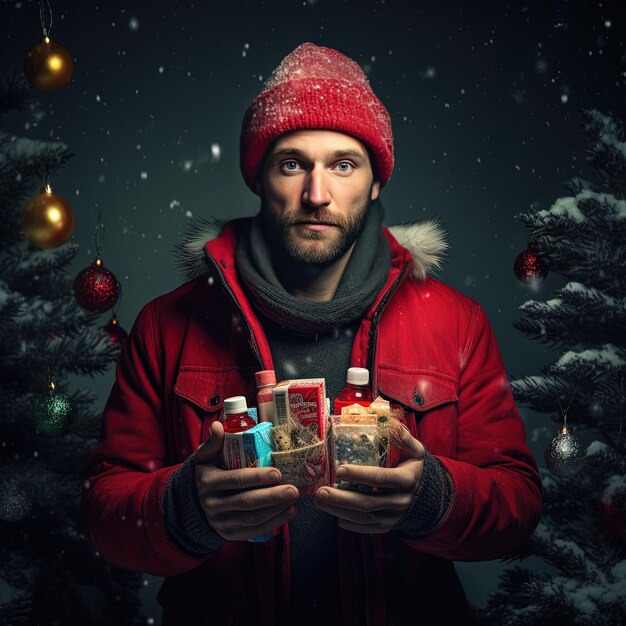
(428, 347)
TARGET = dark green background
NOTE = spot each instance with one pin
(485, 100)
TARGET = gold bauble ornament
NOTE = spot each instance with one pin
(48, 66)
(47, 221)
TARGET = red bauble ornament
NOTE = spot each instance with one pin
(96, 288)
(529, 267)
(116, 333)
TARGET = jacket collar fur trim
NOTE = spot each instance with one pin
(425, 240)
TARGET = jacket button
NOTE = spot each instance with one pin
(214, 401)
(418, 399)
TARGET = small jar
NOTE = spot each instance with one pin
(236, 418)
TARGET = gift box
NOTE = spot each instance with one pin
(302, 401)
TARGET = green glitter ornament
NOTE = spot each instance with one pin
(54, 412)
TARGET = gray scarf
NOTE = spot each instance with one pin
(362, 280)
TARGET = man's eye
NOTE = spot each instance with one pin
(344, 166)
(290, 165)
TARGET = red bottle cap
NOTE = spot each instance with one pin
(265, 377)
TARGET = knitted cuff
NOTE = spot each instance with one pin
(430, 502)
(184, 517)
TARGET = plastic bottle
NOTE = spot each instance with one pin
(356, 390)
(265, 381)
(236, 418)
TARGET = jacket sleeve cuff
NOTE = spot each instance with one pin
(430, 502)
(185, 521)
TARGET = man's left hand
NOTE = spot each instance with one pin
(380, 511)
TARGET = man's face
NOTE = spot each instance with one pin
(316, 187)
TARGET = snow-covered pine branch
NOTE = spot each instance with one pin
(15, 93)
(540, 392)
(607, 150)
(577, 315)
(604, 457)
(581, 238)
(589, 364)
(86, 353)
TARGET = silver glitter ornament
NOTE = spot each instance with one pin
(565, 456)
(16, 501)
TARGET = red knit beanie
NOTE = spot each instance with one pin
(316, 87)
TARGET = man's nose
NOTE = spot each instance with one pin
(316, 191)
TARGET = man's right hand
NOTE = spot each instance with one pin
(242, 503)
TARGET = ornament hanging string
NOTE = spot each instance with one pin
(564, 413)
(119, 301)
(50, 384)
(43, 171)
(42, 17)
(99, 234)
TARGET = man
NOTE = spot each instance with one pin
(312, 285)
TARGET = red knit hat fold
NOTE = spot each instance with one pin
(316, 87)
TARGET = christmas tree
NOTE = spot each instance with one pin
(582, 534)
(48, 573)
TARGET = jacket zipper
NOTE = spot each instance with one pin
(371, 349)
(243, 316)
(365, 540)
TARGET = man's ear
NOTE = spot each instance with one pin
(375, 190)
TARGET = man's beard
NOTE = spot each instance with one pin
(289, 247)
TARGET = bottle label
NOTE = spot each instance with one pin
(249, 448)
(233, 451)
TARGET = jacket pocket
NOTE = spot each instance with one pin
(199, 401)
(428, 400)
